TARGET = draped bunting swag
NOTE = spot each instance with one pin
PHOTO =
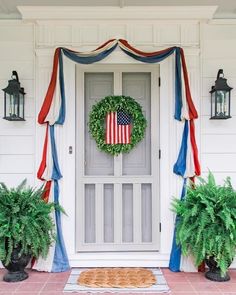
(53, 113)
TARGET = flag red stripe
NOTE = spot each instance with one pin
(107, 128)
(115, 127)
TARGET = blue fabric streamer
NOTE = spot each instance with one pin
(178, 85)
(151, 59)
(62, 113)
(175, 255)
(87, 59)
(60, 260)
(180, 165)
(56, 173)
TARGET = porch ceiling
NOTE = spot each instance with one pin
(226, 8)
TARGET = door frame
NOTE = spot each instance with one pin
(153, 178)
(170, 184)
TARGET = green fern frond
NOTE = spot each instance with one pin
(25, 221)
(206, 221)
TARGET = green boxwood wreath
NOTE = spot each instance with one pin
(114, 103)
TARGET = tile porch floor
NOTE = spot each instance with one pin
(180, 284)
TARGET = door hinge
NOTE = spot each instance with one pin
(159, 81)
(70, 150)
(159, 154)
(160, 227)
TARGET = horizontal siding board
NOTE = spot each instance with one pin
(19, 50)
(17, 33)
(219, 41)
(16, 145)
(13, 180)
(215, 48)
(18, 128)
(218, 162)
(210, 66)
(16, 164)
(218, 126)
(25, 69)
(218, 143)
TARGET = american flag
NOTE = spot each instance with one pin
(118, 125)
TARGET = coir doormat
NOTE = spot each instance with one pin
(156, 282)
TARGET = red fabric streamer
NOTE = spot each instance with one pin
(44, 157)
(51, 88)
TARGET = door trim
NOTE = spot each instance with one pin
(117, 71)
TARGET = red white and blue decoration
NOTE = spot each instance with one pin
(53, 113)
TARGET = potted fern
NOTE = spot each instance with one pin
(26, 228)
(206, 225)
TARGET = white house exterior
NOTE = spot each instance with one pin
(27, 46)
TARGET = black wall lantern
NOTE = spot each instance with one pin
(14, 100)
(220, 98)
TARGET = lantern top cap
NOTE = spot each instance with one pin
(13, 86)
(220, 83)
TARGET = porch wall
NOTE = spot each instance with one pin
(218, 137)
(17, 44)
(17, 139)
(19, 150)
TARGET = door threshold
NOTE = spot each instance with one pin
(127, 259)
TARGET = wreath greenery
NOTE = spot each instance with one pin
(114, 103)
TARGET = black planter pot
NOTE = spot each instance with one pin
(214, 272)
(16, 267)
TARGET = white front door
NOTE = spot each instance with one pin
(117, 198)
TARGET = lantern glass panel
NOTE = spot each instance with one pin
(222, 104)
(7, 106)
(15, 101)
(21, 106)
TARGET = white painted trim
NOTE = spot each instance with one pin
(231, 21)
(111, 13)
(117, 179)
(127, 259)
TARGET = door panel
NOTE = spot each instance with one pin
(97, 85)
(117, 197)
(137, 85)
(108, 213)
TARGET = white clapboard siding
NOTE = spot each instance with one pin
(218, 126)
(17, 139)
(12, 179)
(211, 65)
(14, 144)
(218, 137)
(16, 164)
(219, 162)
(218, 143)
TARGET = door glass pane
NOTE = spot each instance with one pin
(138, 86)
(146, 213)
(89, 213)
(97, 86)
(127, 213)
(108, 213)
